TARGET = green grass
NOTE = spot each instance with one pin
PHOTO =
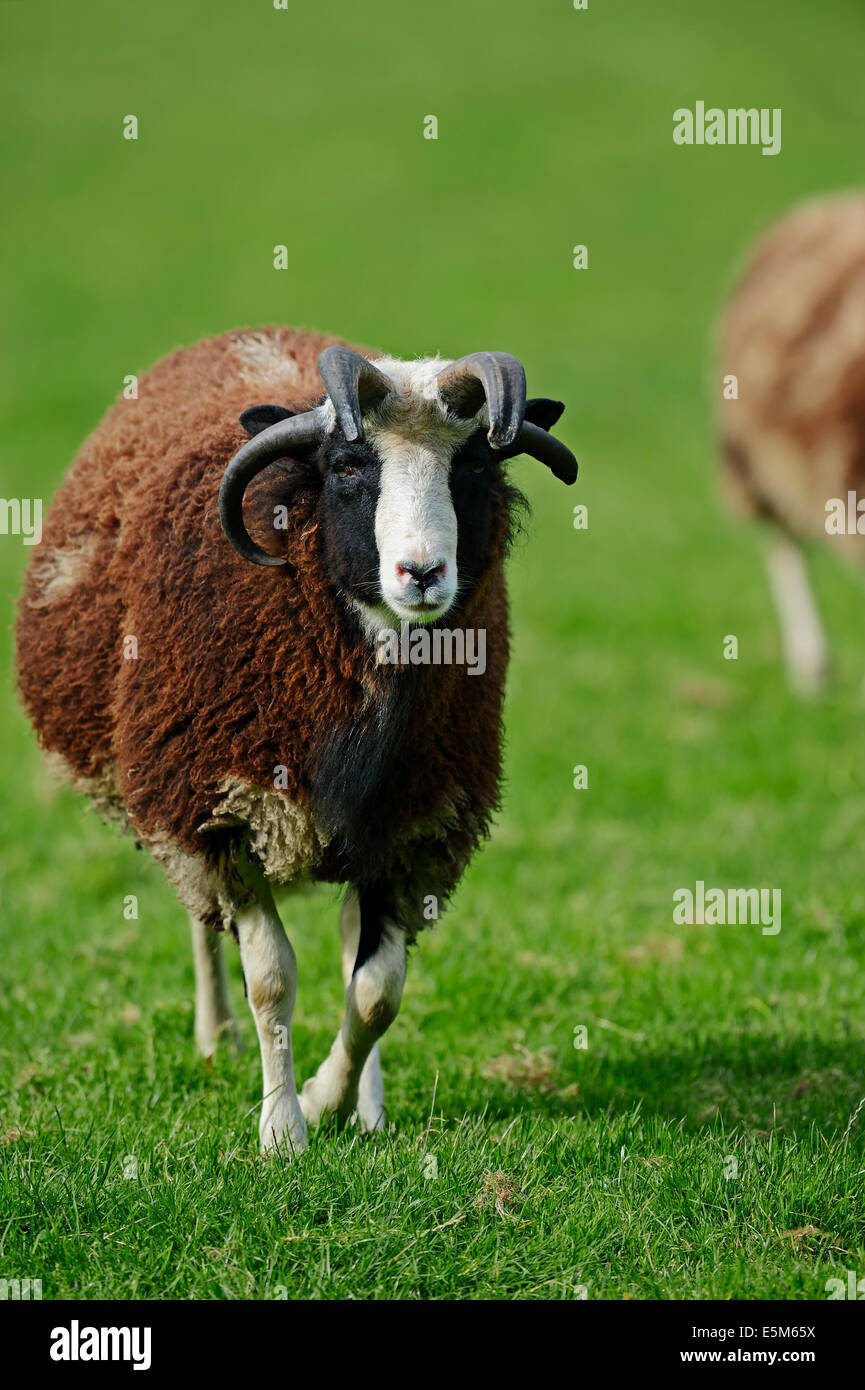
(557, 1168)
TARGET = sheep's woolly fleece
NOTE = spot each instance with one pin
(239, 670)
(792, 336)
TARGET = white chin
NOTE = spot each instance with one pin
(390, 613)
(422, 613)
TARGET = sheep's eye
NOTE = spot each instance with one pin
(344, 470)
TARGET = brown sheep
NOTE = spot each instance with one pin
(792, 425)
(244, 720)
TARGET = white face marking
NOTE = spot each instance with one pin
(415, 528)
(415, 521)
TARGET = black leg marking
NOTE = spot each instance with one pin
(372, 910)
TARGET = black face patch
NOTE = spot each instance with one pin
(351, 476)
(350, 487)
(351, 479)
(478, 489)
(481, 490)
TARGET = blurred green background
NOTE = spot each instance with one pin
(305, 127)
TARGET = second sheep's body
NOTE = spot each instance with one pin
(237, 716)
(793, 433)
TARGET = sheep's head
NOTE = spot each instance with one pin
(409, 455)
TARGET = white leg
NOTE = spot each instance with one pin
(270, 972)
(213, 1016)
(370, 1090)
(372, 1000)
(802, 636)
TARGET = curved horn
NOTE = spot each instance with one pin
(354, 386)
(541, 445)
(293, 436)
(494, 377)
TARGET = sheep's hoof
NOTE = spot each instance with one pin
(321, 1108)
(283, 1131)
(208, 1040)
(372, 1121)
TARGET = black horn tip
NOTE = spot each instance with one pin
(563, 465)
(238, 536)
(502, 438)
(566, 471)
(263, 558)
(544, 447)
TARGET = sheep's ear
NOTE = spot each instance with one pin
(540, 411)
(258, 417)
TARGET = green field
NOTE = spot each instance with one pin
(557, 1170)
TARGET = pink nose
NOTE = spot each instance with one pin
(424, 576)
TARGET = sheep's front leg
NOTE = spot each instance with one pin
(270, 972)
(372, 1000)
(802, 636)
(213, 1016)
(370, 1090)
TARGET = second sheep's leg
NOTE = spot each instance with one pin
(270, 972)
(214, 1019)
(372, 1000)
(802, 637)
